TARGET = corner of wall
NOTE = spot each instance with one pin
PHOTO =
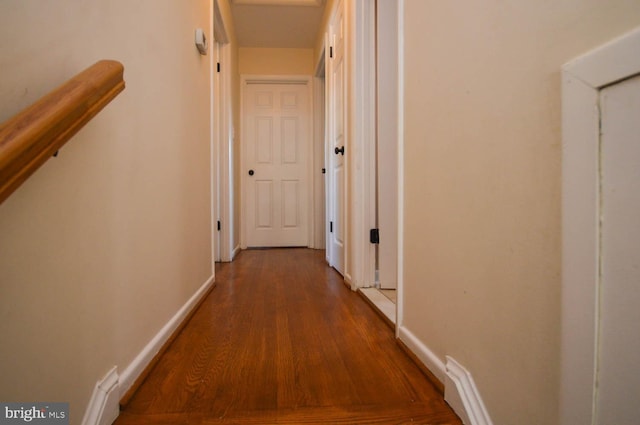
(131, 373)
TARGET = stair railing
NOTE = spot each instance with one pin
(36, 134)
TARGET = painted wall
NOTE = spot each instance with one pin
(103, 245)
(273, 61)
(482, 187)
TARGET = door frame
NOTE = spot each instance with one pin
(321, 73)
(216, 186)
(222, 200)
(365, 105)
(360, 122)
(310, 160)
(582, 80)
(320, 228)
(386, 175)
(361, 130)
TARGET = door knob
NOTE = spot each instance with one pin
(251, 172)
(339, 150)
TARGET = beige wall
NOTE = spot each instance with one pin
(272, 61)
(482, 187)
(103, 245)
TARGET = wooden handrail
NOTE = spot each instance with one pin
(31, 137)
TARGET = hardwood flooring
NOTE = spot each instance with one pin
(281, 340)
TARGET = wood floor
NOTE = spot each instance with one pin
(282, 340)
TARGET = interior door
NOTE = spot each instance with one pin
(618, 380)
(276, 160)
(336, 145)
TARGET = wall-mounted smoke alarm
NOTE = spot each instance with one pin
(201, 41)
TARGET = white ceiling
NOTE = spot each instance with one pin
(277, 23)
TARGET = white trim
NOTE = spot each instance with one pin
(400, 278)
(104, 406)
(226, 194)
(215, 155)
(349, 281)
(609, 63)
(424, 354)
(222, 204)
(235, 252)
(582, 78)
(317, 240)
(386, 155)
(222, 141)
(361, 153)
(368, 65)
(463, 396)
(460, 390)
(142, 360)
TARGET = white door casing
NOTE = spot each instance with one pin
(276, 161)
(217, 106)
(619, 316)
(222, 142)
(584, 176)
(318, 240)
(387, 157)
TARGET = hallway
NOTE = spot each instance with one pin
(281, 339)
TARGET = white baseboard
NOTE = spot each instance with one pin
(459, 389)
(235, 252)
(137, 366)
(104, 405)
(461, 393)
(426, 356)
(349, 281)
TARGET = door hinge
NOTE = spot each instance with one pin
(324, 171)
(219, 226)
(218, 66)
(331, 227)
(331, 51)
(374, 236)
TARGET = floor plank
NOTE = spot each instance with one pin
(281, 340)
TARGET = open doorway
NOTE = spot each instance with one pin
(382, 292)
(221, 142)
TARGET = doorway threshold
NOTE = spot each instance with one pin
(382, 304)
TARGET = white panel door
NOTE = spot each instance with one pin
(337, 178)
(618, 379)
(275, 156)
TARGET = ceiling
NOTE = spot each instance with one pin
(277, 23)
